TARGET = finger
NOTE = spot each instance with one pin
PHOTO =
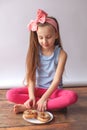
(34, 103)
(26, 105)
(42, 108)
(29, 104)
(39, 108)
(45, 108)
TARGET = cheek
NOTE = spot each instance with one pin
(52, 40)
(39, 40)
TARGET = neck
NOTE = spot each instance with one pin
(47, 52)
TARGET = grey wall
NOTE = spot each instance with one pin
(14, 17)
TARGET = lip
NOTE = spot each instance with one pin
(45, 45)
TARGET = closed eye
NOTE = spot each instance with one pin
(48, 37)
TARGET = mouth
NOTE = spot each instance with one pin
(46, 45)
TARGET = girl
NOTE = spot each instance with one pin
(45, 64)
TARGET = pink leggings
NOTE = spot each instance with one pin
(59, 99)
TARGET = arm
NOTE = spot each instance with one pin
(31, 101)
(31, 89)
(58, 75)
(57, 78)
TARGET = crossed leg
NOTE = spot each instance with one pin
(58, 100)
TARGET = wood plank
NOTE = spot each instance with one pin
(62, 126)
(73, 119)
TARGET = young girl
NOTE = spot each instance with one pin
(45, 65)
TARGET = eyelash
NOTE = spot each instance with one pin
(46, 37)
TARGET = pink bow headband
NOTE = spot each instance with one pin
(41, 18)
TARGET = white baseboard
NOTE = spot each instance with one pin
(65, 85)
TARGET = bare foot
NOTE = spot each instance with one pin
(19, 108)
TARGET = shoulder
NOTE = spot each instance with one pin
(63, 53)
(62, 56)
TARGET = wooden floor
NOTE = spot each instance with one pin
(75, 118)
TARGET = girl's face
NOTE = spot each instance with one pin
(46, 36)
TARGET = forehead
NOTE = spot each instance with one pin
(45, 30)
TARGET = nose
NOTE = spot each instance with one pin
(44, 41)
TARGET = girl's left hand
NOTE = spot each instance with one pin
(41, 105)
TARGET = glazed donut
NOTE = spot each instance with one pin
(30, 114)
(43, 116)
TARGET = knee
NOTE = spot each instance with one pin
(10, 95)
(73, 97)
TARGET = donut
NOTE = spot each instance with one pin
(43, 116)
(30, 114)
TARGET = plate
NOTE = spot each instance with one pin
(35, 121)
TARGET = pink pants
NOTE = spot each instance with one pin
(59, 99)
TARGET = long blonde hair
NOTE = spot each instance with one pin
(32, 59)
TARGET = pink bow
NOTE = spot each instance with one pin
(41, 17)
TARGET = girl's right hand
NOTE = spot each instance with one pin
(30, 103)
